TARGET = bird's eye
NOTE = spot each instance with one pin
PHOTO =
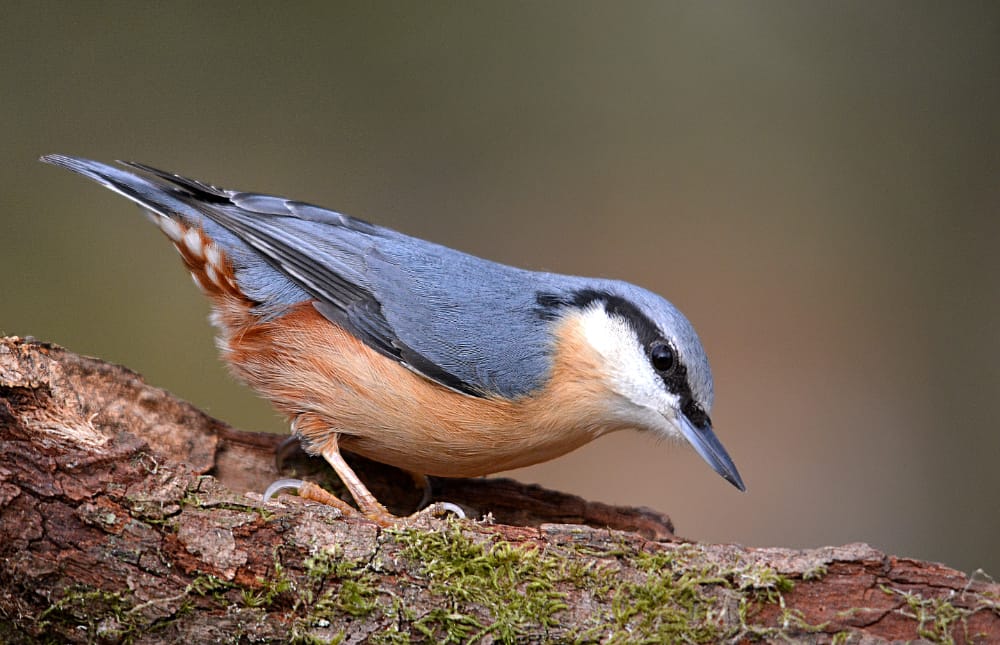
(663, 358)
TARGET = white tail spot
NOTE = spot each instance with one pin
(213, 256)
(212, 275)
(192, 240)
(171, 227)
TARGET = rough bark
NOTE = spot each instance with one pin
(127, 515)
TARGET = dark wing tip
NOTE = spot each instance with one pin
(199, 189)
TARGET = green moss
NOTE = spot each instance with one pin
(588, 574)
(354, 591)
(299, 637)
(841, 638)
(352, 597)
(685, 596)
(441, 625)
(816, 573)
(101, 615)
(337, 587)
(269, 590)
(211, 586)
(936, 617)
(515, 586)
(663, 609)
(514, 593)
(326, 564)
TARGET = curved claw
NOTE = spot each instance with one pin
(451, 508)
(281, 485)
(423, 482)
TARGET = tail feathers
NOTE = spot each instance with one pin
(171, 210)
(210, 268)
(140, 190)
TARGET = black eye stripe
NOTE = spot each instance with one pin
(646, 331)
(696, 414)
(676, 380)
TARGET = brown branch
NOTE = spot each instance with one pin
(127, 515)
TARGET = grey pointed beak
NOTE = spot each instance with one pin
(704, 441)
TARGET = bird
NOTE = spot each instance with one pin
(417, 355)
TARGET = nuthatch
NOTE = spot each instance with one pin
(417, 355)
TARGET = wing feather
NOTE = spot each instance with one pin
(466, 323)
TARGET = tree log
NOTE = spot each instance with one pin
(127, 515)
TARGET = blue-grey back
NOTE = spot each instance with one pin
(471, 324)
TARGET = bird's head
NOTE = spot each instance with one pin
(651, 363)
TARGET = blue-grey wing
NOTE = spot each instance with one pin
(466, 323)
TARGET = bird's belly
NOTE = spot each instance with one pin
(332, 385)
(454, 453)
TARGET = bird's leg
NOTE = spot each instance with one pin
(290, 446)
(316, 493)
(370, 506)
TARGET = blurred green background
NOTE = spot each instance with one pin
(816, 185)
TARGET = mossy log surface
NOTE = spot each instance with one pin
(127, 515)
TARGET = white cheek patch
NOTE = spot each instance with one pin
(627, 369)
(624, 360)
